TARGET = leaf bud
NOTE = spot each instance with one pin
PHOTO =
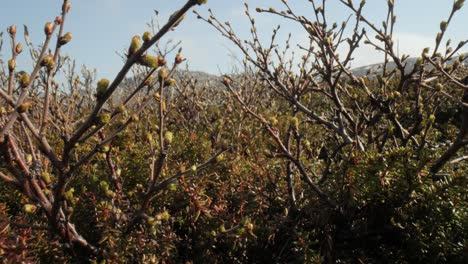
(58, 20)
(67, 7)
(458, 5)
(161, 61)
(168, 137)
(178, 58)
(11, 65)
(149, 61)
(121, 109)
(443, 25)
(65, 38)
(48, 62)
(164, 216)
(102, 86)
(162, 74)
(104, 118)
(19, 48)
(134, 118)
(146, 36)
(227, 81)
(49, 28)
(170, 82)
(220, 158)
(135, 45)
(46, 177)
(12, 30)
(29, 208)
(24, 107)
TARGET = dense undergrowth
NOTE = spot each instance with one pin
(265, 166)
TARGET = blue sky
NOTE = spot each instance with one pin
(103, 27)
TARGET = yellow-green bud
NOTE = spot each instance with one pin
(102, 86)
(134, 45)
(104, 149)
(24, 107)
(65, 38)
(104, 118)
(220, 157)
(110, 194)
(222, 229)
(148, 136)
(157, 96)
(46, 177)
(151, 221)
(164, 216)
(29, 208)
(178, 58)
(172, 187)
(48, 62)
(146, 36)
(329, 41)
(104, 185)
(121, 109)
(134, 118)
(193, 168)
(458, 4)
(11, 65)
(273, 121)
(149, 61)
(443, 25)
(170, 82)
(19, 48)
(69, 194)
(432, 118)
(425, 51)
(162, 74)
(295, 122)
(168, 137)
(29, 158)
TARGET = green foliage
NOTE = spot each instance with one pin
(326, 170)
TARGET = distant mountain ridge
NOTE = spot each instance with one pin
(212, 80)
(373, 68)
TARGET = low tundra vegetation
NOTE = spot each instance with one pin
(292, 159)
